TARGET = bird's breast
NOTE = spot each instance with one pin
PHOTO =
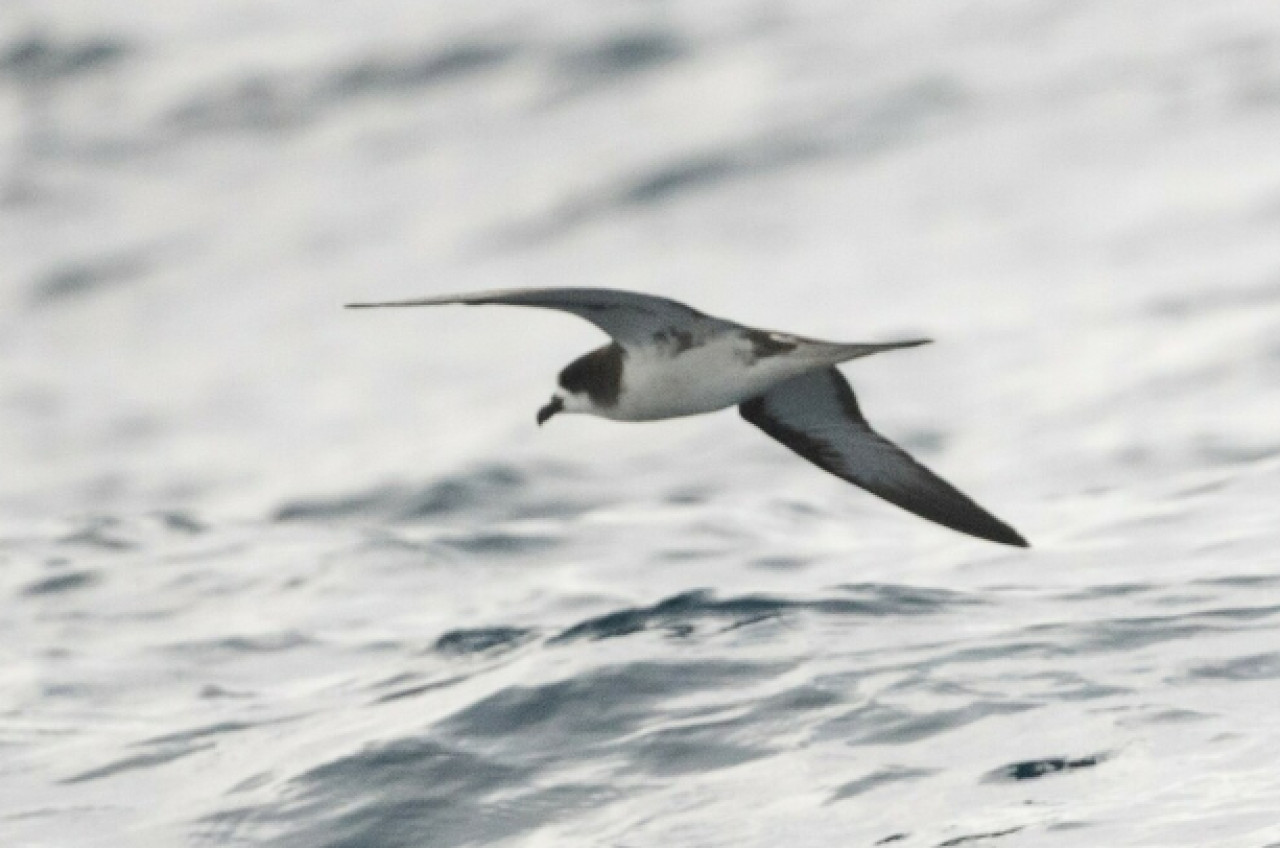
(665, 383)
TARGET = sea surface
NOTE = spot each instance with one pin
(277, 574)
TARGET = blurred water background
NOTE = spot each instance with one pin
(272, 573)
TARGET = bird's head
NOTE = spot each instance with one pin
(588, 384)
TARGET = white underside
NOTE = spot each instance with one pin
(719, 374)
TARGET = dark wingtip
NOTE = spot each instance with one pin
(1017, 541)
(965, 516)
(1006, 535)
(381, 303)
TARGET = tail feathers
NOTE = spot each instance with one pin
(845, 352)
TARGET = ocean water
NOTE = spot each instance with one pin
(272, 573)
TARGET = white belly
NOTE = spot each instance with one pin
(702, 379)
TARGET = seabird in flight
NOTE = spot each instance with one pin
(668, 360)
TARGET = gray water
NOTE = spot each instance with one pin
(276, 574)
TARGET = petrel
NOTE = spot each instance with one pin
(668, 360)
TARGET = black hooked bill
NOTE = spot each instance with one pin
(549, 410)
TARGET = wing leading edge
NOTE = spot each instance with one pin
(623, 315)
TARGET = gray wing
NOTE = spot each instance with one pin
(625, 316)
(817, 416)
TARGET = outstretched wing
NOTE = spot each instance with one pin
(817, 416)
(626, 316)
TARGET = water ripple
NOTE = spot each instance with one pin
(37, 58)
(486, 640)
(493, 492)
(682, 614)
(274, 102)
(875, 780)
(1033, 769)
